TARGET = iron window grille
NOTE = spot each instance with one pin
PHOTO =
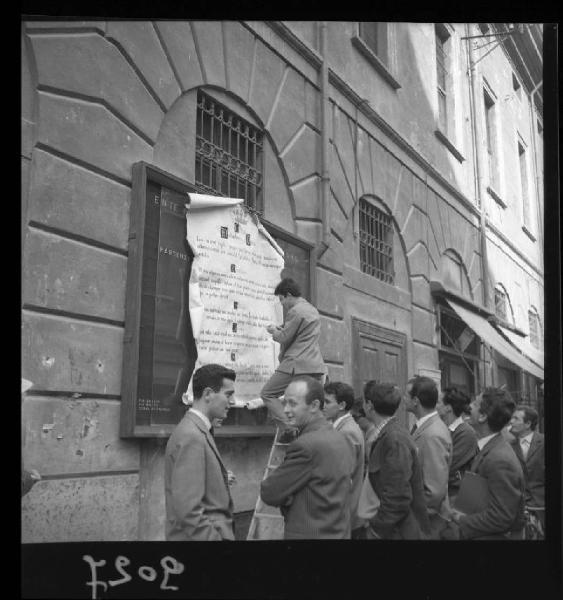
(229, 154)
(376, 242)
(500, 304)
(534, 324)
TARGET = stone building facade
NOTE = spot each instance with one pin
(374, 168)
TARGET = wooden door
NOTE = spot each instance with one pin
(380, 354)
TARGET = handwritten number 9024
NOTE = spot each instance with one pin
(170, 566)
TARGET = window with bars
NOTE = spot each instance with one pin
(229, 154)
(535, 331)
(500, 304)
(442, 49)
(376, 242)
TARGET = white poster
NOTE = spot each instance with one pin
(236, 268)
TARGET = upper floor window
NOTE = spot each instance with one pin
(229, 154)
(540, 152)
(500, 304)
(374, 36)
(376, 242)
(516, 86)
(491, 140)
(442, 67)
(453, 273)
(535, 330)
(524, 185)
(375, 41)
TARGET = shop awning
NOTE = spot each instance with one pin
(491, 336)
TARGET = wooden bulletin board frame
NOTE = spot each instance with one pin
(142, 300)
(143, 174)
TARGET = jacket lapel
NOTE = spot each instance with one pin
(424, 426)
(533, 446)
(201, 426)
(518, 450)
(387, 427)
(343, 421)
(483, 453)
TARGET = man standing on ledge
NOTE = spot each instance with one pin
(300, 353)
(199, 506)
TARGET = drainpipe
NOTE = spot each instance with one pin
(356, 142)
(475, 101)
(536, 169)
(325, 177)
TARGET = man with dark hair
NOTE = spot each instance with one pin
(367, 427)
(453, 405)
(397, 509)
(312, 486)
(199, 506)
(299, 354)
(339, 399)
(434, 443)
(503, 515)
(529, 448)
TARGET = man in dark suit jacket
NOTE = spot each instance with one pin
(300, 353)
(503, 514)
(312, 486)
(394, 471)
(199, 506)
(451, 408)
(528, 444)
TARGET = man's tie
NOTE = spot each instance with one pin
(414, 428)
(525, 445)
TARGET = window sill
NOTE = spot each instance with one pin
(372, 58)
(529, 233)
(496, 197)
(444, 139)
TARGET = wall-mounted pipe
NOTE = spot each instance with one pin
(356, 147)
(533, 133)
(325, 176)
(475, 100)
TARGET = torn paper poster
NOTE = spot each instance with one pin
(235, 270)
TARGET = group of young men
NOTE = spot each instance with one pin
(352, 469)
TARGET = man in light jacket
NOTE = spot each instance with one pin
(300, 353)
(339, 399)
(434, 443)
(199, 506)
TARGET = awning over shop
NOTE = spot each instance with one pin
(491, 336)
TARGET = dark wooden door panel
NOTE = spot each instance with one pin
(379, 354)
